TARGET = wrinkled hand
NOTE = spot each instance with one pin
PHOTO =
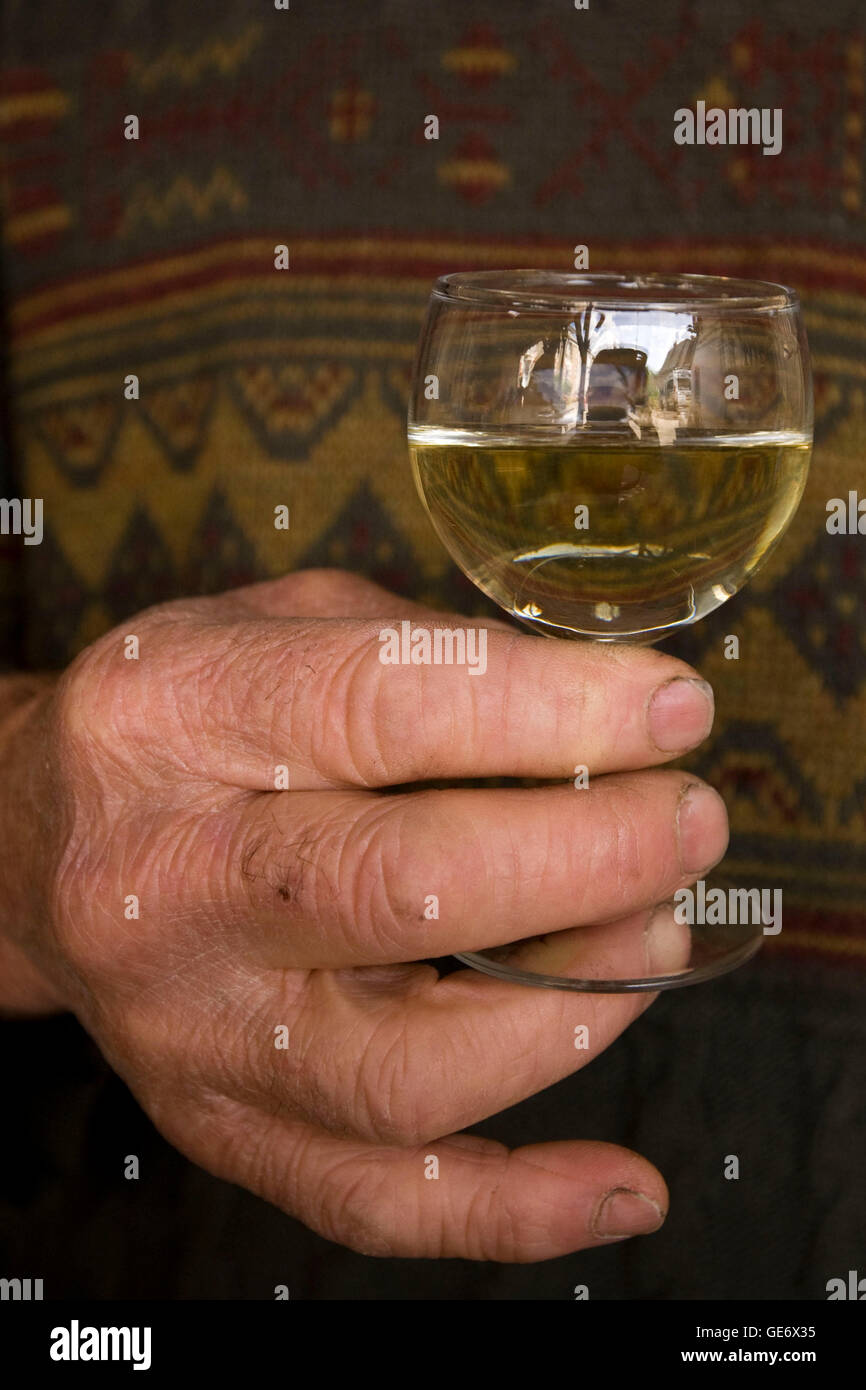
(267, 916)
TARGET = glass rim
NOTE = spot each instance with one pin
(565, 291)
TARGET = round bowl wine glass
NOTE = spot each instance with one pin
(611, 457)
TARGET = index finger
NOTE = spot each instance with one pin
(316, 698)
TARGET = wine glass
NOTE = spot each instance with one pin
(611, 457)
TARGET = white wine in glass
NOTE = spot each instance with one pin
(611, 457)
(609, 538)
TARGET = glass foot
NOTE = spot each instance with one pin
(652, 950)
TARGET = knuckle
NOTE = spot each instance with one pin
(328, 583)
(391, 1099)
(149, 1042)
(329, 681)
(353, 1204)
(108, 704)
(104, 700)
(281, 869)
(620, 839)
(375, 714)
(113, 893)
(80, 882)
(385, 873)
(487, 1224)
(80, 943)
(95, 941)
(89, 699)
(357, 711)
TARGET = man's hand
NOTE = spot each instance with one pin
(195, 918)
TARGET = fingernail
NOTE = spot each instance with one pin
(702, 827)
(680, 713)
(623, 1212)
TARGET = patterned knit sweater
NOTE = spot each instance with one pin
(153, 257)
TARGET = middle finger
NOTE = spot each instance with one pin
(325, 880)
